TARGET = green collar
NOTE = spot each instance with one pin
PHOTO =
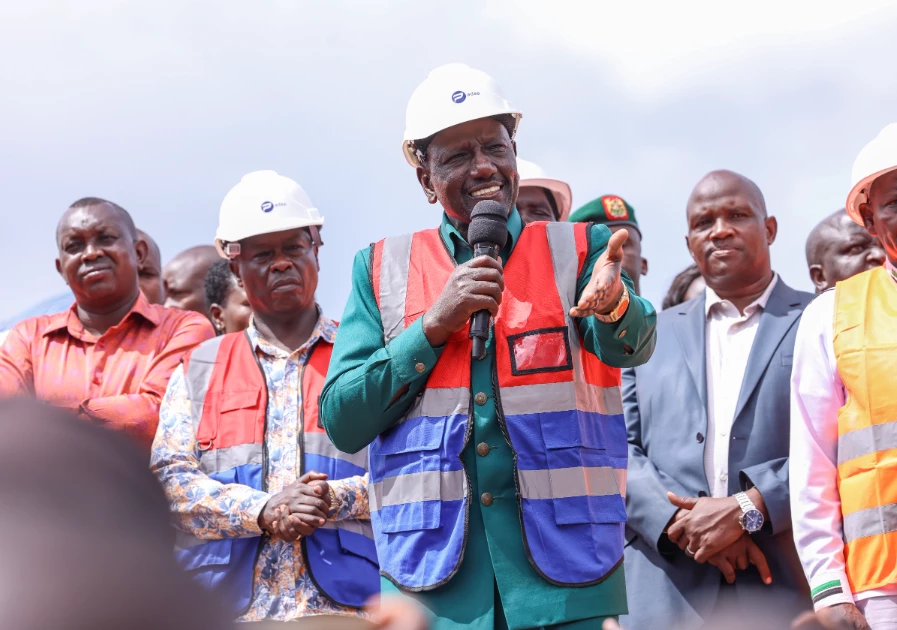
(454, 241)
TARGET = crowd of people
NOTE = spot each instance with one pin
(726, 462)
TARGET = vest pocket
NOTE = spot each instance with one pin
(580, 477)
(233, 400)
(357, 545)
(407, 463)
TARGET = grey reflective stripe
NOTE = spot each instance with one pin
(362, 528)
(878, 437)
(870, 522)
(183, 540)
(394, 263)
(418, 487)
(547, 397)
(562, 243)
(220, 459)
(440, 401)
(620, 476)
(561, 483)
(199, 371)
(320, 444)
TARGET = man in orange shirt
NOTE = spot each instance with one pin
(109, 356)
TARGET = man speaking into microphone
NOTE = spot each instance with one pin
(497, 483)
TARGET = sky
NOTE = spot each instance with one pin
(163, 106)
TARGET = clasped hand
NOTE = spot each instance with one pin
(708, 530)
(299, 509)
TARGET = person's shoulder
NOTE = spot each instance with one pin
(37, 325)
(599, 234)
(822, 305)
(792, 296)
(679, 310)
(175, 319)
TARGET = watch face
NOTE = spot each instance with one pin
(752, 520)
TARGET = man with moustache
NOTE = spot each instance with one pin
(708, 428)
(453, 439)
(110, 355)
(839, 248)
(843, 412)
(270, 515)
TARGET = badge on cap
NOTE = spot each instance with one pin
(615, 208)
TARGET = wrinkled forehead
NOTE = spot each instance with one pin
(480, 131)
(724, 193)
(90, 219)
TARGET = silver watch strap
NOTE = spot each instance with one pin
(745, 502)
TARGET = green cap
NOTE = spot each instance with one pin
(607, 210)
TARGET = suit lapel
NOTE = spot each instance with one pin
(690, 327)
(782, 310)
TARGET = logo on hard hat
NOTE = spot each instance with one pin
(615, 208)
(459, 96)
(267, 206)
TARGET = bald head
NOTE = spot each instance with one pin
(86, 204)
(821, 235)
(837, 249)
(149, 274)
(729, 234)
(722, 183)
(184, 277)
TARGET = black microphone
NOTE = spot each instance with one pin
(487, 234)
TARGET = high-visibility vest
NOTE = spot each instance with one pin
(559, 407)
(865, 345)
(229, 399)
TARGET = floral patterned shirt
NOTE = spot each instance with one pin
(205, 508)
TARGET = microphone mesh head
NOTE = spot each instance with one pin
(488, 224)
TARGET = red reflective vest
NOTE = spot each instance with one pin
(558, 405)
(229, 398)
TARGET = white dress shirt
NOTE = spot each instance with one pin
(730, 336)
(817, 393)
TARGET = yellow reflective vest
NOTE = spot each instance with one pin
(865, 345)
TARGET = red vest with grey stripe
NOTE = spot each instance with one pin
(559, 407)
(229, 398)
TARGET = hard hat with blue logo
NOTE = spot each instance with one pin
(262, 203)
(450, 95)
(877, 158)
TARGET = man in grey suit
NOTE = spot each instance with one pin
(708, 420)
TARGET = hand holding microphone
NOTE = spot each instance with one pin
(474, 287)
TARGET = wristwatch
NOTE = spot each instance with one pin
(618, 311)
(751, 519)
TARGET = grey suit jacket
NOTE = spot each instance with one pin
(665, 403)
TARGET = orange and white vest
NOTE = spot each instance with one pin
(559, 407)
(865, 345)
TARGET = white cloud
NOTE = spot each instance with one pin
(163, 106)
(654, 46)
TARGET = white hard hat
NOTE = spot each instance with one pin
(263, 202)
(533, 175)
(877, 158)
(452, 94)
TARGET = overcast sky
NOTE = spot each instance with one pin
(162, 106)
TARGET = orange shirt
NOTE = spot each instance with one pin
(119, 377)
